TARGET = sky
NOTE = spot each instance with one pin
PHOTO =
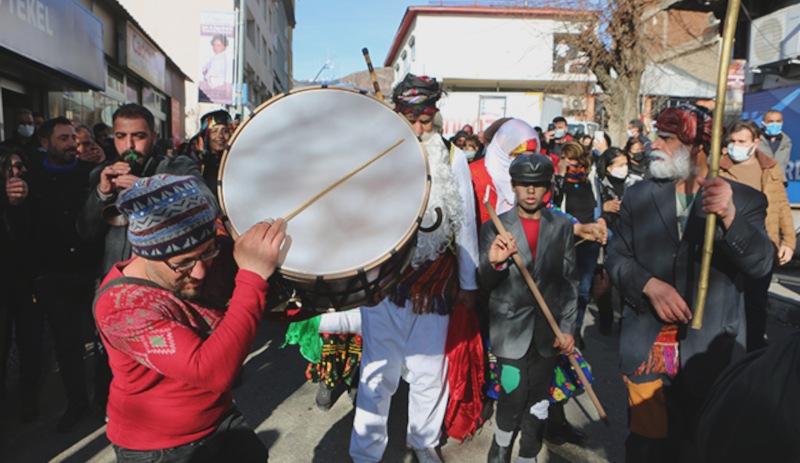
(335, 31)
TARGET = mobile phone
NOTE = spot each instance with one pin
(551, 126)
(599, 135)
(10, 172)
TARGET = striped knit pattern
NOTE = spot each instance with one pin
(168, 215)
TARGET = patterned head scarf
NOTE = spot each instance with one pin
(417, 95)
(690, 123)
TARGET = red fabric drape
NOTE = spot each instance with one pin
(465, 374)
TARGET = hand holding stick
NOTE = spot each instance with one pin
(549, 316)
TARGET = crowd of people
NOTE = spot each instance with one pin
(107, 239)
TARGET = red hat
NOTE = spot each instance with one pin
(691, 124)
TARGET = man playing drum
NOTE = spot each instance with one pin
(175, 338)
(405, 334)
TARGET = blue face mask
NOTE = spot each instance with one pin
(560, 133)
(774, 129)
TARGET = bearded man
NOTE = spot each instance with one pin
(404, 335)
(654, 260)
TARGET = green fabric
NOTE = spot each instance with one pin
(306, 335)
(509, 378)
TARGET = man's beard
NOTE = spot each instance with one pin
(675, 167)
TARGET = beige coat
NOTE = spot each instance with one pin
(779, 223)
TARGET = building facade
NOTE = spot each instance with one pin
(495, 62)
(268, 27)
(83, 59)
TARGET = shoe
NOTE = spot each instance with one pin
(427, 456)
(562, 433)
(498, 454)
(72, 417)
(324, 399)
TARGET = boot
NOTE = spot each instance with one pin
(498, 454)
(324, 398)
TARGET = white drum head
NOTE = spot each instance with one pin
(297, 145)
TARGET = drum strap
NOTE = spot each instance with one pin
(431, 288)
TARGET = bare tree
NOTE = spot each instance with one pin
(614, 40)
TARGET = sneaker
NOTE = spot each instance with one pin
(427, 456)
(72, 417)
(324, 399)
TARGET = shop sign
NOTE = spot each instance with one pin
(144, 58)
(59, 34)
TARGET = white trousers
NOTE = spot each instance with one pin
(399, 343)
(348, 321)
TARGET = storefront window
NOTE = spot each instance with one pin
(132, 92)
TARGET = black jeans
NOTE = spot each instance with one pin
(233, 441)
(532, 375)
(67, 301)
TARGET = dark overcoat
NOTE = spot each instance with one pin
(646, 244)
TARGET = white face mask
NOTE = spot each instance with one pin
(470, 154)
(740, 153)
(560, 133)
(25, 130)
(631, 133)
(620, 172)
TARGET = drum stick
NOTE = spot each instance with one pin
(549, 316)
(322, 193)
(372, 74)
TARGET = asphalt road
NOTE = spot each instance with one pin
(279, 403)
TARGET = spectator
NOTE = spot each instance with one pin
(576, 180)
(746, 164)
(65, 265)
(636, 129)
(774, 141)
(134, 139)
(638, 161)
(556, 137)
(18, 314)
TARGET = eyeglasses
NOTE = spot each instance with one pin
(187, 266)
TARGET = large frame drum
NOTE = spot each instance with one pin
(351, 244)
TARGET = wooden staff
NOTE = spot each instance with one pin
(731, 17)
(322, 193)
(548, 315)
(372, 74)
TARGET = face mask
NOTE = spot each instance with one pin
(631, 133)
(619, 172)
(774, 129)
(740, 153)
(638, 156)
(25, 130)
(560, 133)
(470, 154)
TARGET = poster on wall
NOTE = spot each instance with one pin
(216, 45)
(567, 59)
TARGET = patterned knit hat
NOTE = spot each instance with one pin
(167, 214)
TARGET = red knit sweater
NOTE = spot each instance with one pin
(173, 360)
